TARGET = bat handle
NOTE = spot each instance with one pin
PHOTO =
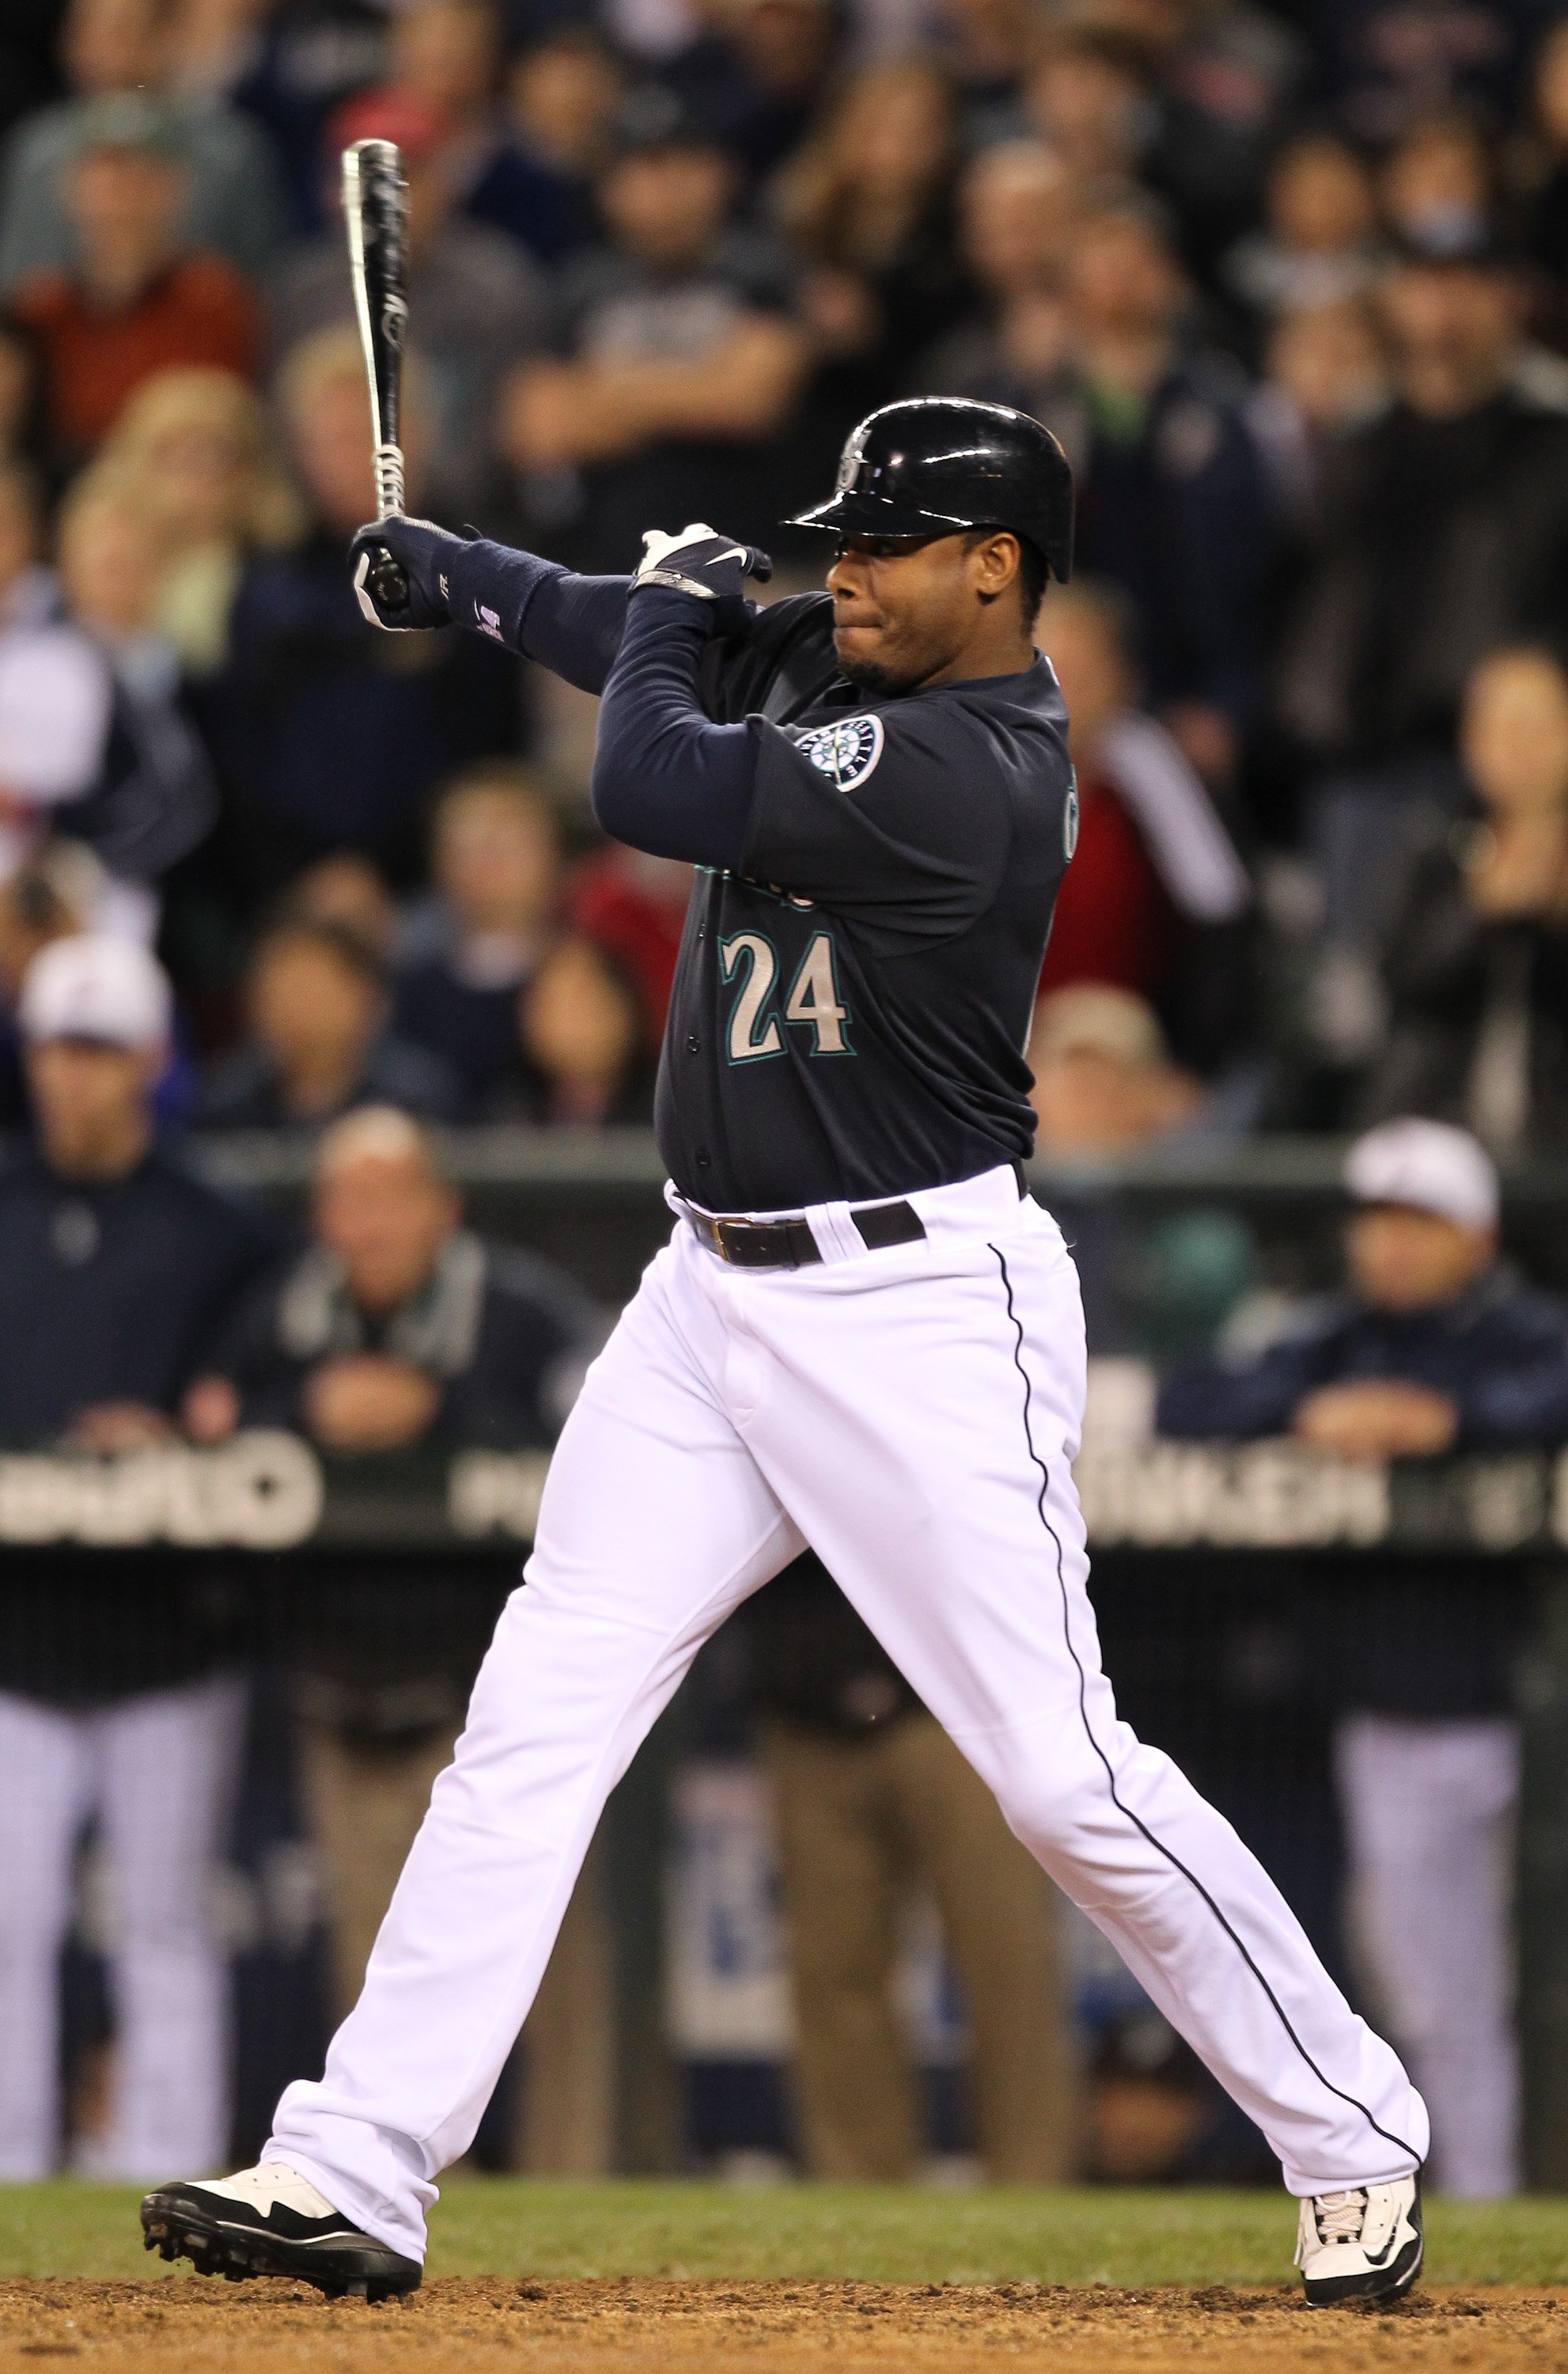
(387, 581)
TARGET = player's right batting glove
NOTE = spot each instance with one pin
(424, 553)
(700, 561)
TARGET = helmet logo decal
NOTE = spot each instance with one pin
(846, 751)
(851, 459)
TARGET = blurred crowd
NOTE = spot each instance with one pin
(1290, 283)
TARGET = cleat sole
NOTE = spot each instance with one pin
(179, 2230)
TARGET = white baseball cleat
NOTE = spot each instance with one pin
(1364, 2243)
(271, 2221)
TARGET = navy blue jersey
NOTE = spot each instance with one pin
(851, 1003)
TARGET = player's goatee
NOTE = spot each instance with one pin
(867, 676)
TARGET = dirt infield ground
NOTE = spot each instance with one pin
(476, 2326)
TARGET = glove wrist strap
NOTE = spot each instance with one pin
(676, 584)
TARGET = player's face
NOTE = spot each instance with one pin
(906, 608)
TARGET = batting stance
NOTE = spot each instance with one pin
(861, 1335)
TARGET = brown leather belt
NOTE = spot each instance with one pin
(789, 1244)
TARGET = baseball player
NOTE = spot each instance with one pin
(862, 1336)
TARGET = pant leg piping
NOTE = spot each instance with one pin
(1141, 1827)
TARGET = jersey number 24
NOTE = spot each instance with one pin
(751, 959)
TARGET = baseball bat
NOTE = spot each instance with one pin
(375, 209)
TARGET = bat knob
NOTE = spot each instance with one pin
(388, 583)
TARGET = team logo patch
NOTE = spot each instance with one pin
(1070, 824)
(845, 751)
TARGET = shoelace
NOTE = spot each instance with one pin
(1340, 2217)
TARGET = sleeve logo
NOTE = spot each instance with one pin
(846, 751)
(1070, 824)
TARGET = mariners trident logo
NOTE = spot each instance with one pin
(845, 751)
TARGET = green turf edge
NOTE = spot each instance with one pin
(876, 2234)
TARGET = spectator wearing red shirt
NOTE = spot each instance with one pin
(134, 303)
(1156, 899)
(634, 906)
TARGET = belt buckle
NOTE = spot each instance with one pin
(720, 1242)
(707, 1228)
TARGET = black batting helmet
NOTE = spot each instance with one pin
(935, 465)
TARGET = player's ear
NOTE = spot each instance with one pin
(995, 559)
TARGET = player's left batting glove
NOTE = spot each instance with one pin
(424, 553)
(702, 562)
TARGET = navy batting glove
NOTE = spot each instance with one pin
(423, 552)
(702, 562)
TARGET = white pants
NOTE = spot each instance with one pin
(911, 1413)
(1429, 1811)
(156, 1773)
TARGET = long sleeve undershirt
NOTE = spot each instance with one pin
(570, 624)
(666, 777)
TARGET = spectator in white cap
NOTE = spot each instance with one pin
(116, 1273)
(1435, 1346)
(98, 991)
